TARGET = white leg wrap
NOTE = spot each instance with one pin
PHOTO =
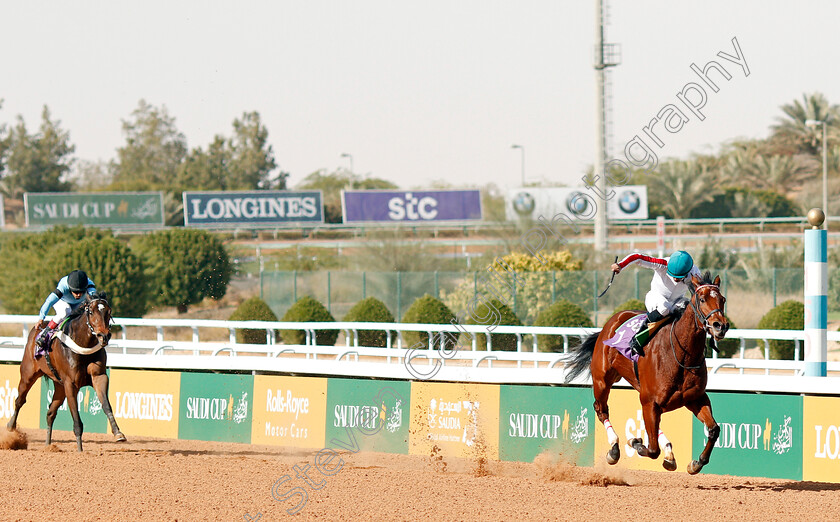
(663, 440)
(612, 436)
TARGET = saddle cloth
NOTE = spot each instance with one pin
(621, 339)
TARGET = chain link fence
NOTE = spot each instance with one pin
(750, 293)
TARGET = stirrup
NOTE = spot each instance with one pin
(44, 337)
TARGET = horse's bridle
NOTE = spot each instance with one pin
(87, 316)
(705, 326)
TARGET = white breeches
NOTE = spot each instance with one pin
(62, 308)
(655, 301)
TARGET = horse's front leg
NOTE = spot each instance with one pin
(652, 414)
(100, 384)
(73, 403)
(702, 409)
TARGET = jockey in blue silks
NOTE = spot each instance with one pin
(667, 287)
(69, 292)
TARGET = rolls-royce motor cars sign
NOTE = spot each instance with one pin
(259, 207)
(410, 206)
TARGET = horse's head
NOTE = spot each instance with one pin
(708, 303)
(98, 315)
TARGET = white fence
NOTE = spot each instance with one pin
(186, 344)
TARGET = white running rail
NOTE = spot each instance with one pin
(195, 344)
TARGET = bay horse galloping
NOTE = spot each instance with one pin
(671, 375)
(75, 358)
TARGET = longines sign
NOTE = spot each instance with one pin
(99, 208)
(259, 207)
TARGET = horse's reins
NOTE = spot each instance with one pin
(704, 326)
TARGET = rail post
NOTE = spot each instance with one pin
(816, 290)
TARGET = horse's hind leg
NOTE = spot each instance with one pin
(100, 384)
(29, 373)
(601, 390)
(702, 409)
(52, 411)
(73, 403)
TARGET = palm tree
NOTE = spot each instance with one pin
(791, 129)
(680, 186)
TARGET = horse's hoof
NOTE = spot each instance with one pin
(120, 437)
(694, 467)
(669, 465)
(614, 454)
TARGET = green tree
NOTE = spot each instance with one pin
(153, 152)
(39, 162)
(682, 185)
(206, 170)
(792, 131)
(34, 263)
(183, 266)
(252, 158)
(111, 265)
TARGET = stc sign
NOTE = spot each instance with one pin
(395, 206)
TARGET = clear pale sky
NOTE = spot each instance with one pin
(414, 91)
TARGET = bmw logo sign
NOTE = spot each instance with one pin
(523, 204)
(577, 203)
(629, 202)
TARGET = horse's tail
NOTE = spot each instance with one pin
(579, 360)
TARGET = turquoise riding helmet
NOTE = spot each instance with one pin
(679, 264)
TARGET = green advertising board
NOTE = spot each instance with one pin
(90, 409)
(760, 436)
(534, 419)
(378, 411)
(100, 208)
(215, 407)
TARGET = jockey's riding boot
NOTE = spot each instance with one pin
(635, 347)
(45, 335)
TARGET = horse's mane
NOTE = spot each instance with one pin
(705, 279)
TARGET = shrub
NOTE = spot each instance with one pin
(789, 315)
(307, 309)
(727, 347)
(504, 342)
(253, 309)
(534, 283)
(630, 304)
(561, 313)
(425, 310)
(33, 267)
(371, 310)
(184, 266)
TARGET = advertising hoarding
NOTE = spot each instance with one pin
(98, 208)
(629, 202)
(413, 206)
(256, 207)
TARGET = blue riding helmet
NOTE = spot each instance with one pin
(679, 264)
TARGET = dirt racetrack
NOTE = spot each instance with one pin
(157, 479)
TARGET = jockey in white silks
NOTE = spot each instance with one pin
(667, 287)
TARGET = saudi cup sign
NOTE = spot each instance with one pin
(215, 406)
(128, 209)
